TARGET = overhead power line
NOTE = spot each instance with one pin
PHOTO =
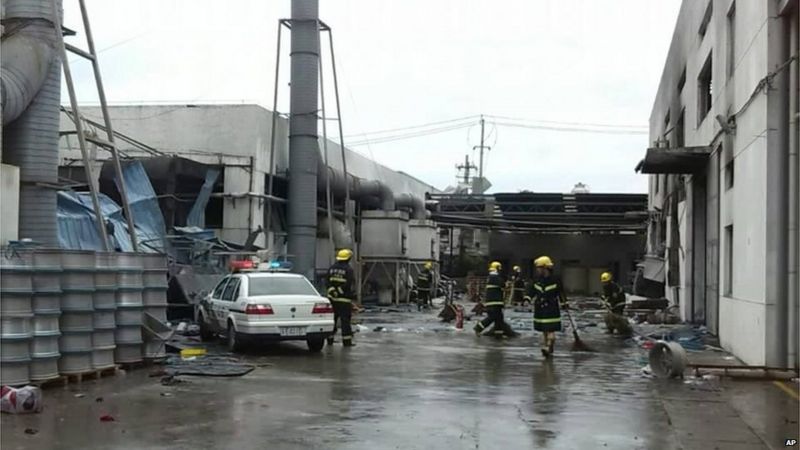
(573, 129)
(578, 124)
(473, 118)
(412, 135)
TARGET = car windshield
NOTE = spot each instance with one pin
(280, 286)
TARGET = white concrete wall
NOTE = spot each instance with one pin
(743, 314)
(9, 203)
(237, 136)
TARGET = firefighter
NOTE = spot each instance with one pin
(548, 297)
(517, 286)
(494, 303)
(614, 300)
(341, 282)
(424, 280)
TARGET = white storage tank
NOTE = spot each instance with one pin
(384, 234)
(423, 240)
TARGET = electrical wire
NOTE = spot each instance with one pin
(424, 125)
(573, 129)
(413, 135)
(580, 124)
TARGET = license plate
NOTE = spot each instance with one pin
(293, 331)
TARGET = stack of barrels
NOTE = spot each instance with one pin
(128, 335)
(155, 303)
(16, 316)
(69, 312)
(105, 307)
(46, 313)
(77, 311)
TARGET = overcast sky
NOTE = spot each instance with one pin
(550, 63)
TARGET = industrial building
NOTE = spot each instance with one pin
(723, 168)
(587, 233)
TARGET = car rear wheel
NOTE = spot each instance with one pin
(234, 340)
(315, 345)
(205, 329)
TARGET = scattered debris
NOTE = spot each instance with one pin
(22, 400)
(170, 380)
(80, 395)
(107, 418)
(31, 431)
(190, 352)
(99, 399)
(166, 394)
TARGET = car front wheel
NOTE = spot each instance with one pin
(315, 345)
(234, 340)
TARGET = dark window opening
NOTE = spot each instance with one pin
(731, 40)
(214, 212)
(729, 174)
(682, 81)
(704, 90)
(728, 281)
(680, 130)
(706, 19)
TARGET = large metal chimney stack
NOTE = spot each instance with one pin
(303, 138)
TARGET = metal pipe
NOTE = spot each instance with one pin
(776, 345)
(27, 56)
(412, 202)
(123, 191)
(271, 170)
(303, 137)
(793, 219)
(31, 90)
(341, 131)
(328, 196)
(378, 189)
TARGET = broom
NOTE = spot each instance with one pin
(577, 345)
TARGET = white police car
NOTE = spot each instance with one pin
(256, 304)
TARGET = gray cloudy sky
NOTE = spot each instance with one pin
(412, 62)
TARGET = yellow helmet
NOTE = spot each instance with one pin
(344, 254)
(605, 277)
(495, 265)
(517, 269)
(543, 261)
(428, 265)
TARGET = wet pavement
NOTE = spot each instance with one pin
(418, 384)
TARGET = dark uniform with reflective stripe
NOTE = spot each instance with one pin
(614, 297)
(340, 292)
(546, 294)
(494, 306)
(518, 288)
(424, 287)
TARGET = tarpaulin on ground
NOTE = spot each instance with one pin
(149, 221)
(197, 216)
(77, 229)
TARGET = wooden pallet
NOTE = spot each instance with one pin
(77, 378)
(134, 365)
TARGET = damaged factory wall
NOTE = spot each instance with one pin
(730, 221)
(234, 136)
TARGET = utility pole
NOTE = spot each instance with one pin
(466, 167)
(481, 147)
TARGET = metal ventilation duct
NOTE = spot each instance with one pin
(31, 92)
(303, 138)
